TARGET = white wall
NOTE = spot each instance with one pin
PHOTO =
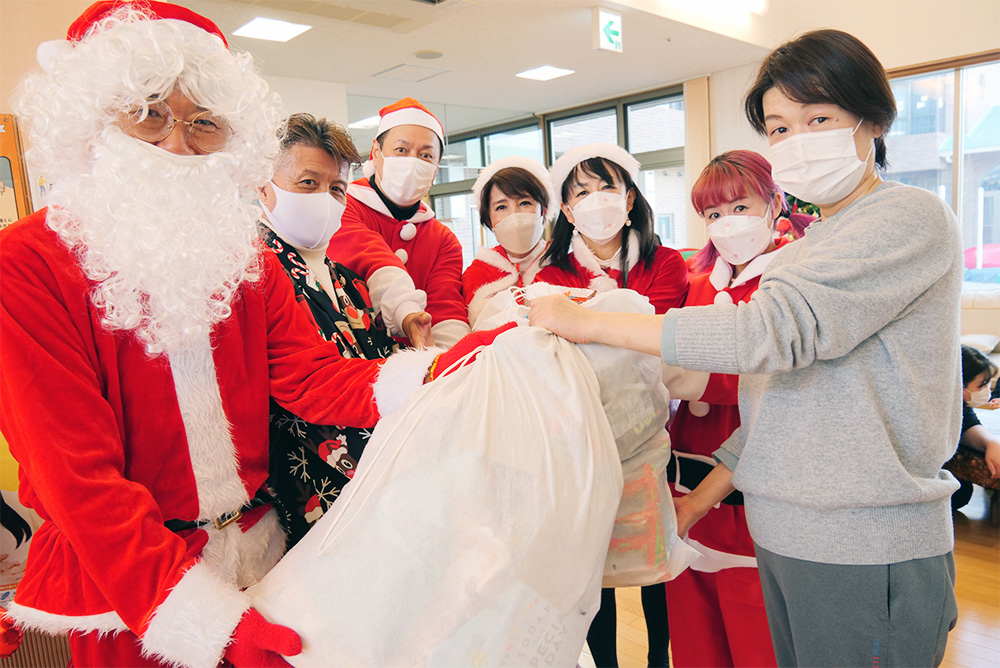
(323, 99)
(729, 127)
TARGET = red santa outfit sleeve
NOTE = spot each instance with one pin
(311, 379)
(103, 534)
(668, 284)
(443, 283)
(365, 252)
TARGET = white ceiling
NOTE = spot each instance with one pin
(485, 43)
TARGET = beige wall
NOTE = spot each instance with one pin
(23, 26)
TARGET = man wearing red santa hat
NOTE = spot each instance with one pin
(399, 173)
(143, 332)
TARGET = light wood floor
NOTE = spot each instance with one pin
(974, 643)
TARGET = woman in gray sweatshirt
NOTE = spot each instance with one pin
(844, 354)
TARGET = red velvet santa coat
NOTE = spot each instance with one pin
(493, 271)
(664, 282)
(716, 608)
(431, 255)
(105, 456)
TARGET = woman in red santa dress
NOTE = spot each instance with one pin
(603, 239)
(514, 196)
(716, 608)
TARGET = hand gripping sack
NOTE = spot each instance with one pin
(644, 546)
(475, 529)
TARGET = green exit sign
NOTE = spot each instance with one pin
(607, 30)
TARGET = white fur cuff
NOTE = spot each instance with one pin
(194, 624)
(449, 332)
(400, 375)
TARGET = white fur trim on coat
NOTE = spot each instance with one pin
(245, 556)
(210, 443)
(54, 624)
(195, 622)
(395, 296)
(601, 281)
(401, 374)
(367, 196)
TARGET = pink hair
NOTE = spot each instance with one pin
(731, 176)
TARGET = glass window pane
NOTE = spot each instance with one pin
(600, 126)
(460, 215)
(980, 195)
(461, 160)
(523, 142)
(664, 189)
(920, 145)
(655, 125)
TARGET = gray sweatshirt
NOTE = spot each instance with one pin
(850, 383)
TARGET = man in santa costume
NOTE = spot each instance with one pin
(399, 173)
(143, 332)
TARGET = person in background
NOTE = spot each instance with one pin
(603, 239)
(977, 460)
(384, 209)
(514, 196)
(716, 608)
(855, 326)
(302, 208)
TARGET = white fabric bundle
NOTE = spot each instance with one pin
(475, 529)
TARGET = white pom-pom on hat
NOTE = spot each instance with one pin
(50, 53)
(533, 167)
(567, 161)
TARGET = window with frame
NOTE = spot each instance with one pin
(946, 139)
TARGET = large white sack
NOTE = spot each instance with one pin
(475, 529)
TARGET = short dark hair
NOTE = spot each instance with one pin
(381, 142)
(307, 130)
(974, 363)
(831, 67)
(640, 217)
(513, 182)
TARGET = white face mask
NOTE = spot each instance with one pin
(405, 180)
(819, 167)
(305, 220)
(740, 239)
(980, 397)
(519, 232)
(600, 215)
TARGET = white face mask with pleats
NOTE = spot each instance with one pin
(305, 220)
(980, 397)
(519, 232)
(405, 180)
(600, 215)
(819, 167)
(740, 239)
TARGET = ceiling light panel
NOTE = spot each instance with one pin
(272, 30)
(544, 73)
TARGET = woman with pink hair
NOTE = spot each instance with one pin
(716, 608)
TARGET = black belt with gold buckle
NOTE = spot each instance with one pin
(262, 497)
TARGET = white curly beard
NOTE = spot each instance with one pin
(168, 239)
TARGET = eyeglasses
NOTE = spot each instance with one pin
(208, 132)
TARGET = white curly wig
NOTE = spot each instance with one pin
(166, 239)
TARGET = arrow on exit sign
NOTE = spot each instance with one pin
(607, 30)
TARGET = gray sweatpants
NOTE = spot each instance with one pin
(893, 615)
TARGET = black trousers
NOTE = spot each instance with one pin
(602, 638)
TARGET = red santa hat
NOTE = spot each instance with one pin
(562, 167)
(533, 167)
(404, 112)
(49, 52)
